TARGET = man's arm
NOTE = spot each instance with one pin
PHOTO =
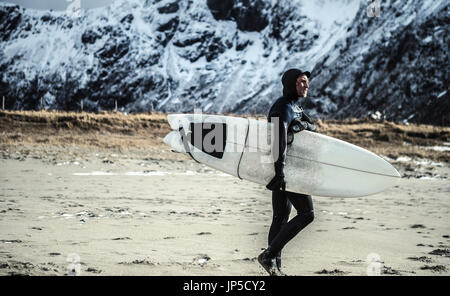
(279, 142)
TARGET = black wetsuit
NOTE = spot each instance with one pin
(291, 119)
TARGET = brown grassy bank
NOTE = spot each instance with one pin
(140, 131)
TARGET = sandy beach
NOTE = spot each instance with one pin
(69, 203)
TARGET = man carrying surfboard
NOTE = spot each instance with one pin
(291, 119)
(313, 164)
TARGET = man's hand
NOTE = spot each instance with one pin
(277, 183)
(297, 125)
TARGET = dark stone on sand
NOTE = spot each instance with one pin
(418, 226)
(202, 257)
(54, 254)
(435, 268)
(441, 252)
(389, 270)
(204, 233)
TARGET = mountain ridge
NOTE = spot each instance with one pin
(228, 57)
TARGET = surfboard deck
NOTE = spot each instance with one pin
(316, 164)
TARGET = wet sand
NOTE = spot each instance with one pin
(102, 213)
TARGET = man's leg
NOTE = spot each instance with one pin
(281, 208)
(305, 215)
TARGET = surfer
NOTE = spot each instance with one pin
(291, 119)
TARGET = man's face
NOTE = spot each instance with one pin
(302, 85)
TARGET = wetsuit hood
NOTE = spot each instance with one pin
(289, 81)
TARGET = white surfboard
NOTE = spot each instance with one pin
(315, 164)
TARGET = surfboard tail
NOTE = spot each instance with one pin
(173, 139)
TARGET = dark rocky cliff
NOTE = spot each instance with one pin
(228, 56)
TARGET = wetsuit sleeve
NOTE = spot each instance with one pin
(310, 126)
(280, 139)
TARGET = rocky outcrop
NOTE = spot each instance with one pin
(398, 68)
(229, 55)
(249, 15)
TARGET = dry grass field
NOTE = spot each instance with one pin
(118, 131)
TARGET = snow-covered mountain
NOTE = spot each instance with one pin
(227, 56)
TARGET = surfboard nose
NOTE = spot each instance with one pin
(388, 169)
(395, 173)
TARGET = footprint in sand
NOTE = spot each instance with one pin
(93, 270)
(421, 259)
(122, 238)
(139, 262)
(435, 268)
(332, 272)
